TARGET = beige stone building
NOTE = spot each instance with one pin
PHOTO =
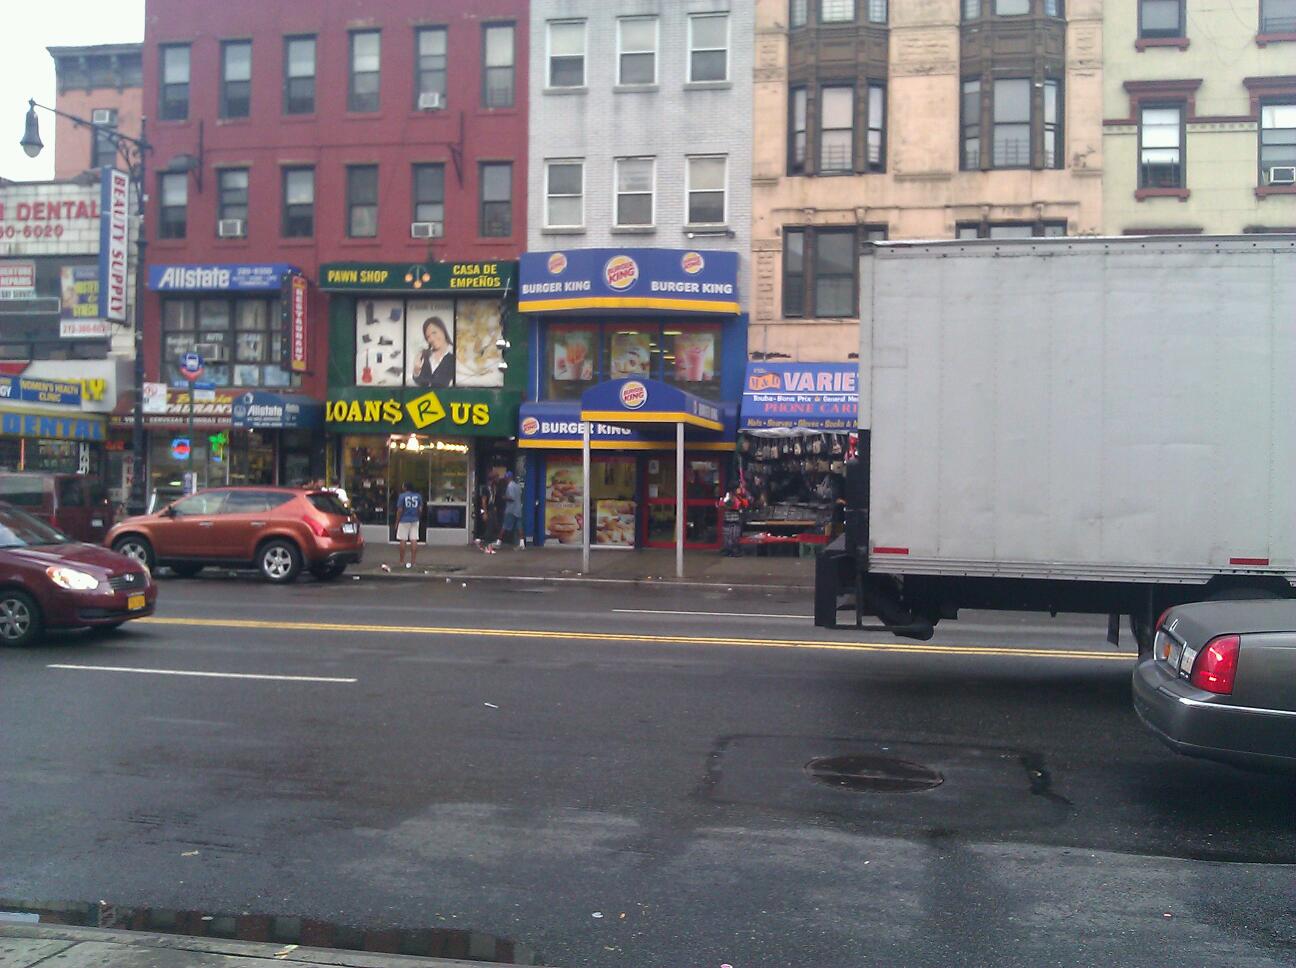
(1199, 102)
(916, 119)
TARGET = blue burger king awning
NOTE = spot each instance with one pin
(645, 401)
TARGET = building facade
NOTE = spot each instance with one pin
(1195, 140)
(103, 84)
(304, 152)
(933, 120)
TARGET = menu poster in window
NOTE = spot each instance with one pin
(478, 328)
(573, 355)
(430, 343)
(380, 341)
(695, 357)
(564, 492)
(614, 524)
(631, 355)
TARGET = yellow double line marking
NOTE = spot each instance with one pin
(911, 648)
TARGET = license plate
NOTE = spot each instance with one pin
(135, 602)
(348, 528)
(96, 522)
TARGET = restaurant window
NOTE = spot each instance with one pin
(836, 11)
(820, 268)
(708, 47)
(635, 181)
(571, 361)
(1278, 143)
(236, 79)
(498, 58)
(496, 200)
(1161, 147)
(798, 12)
(429, 194)
(232, 193)
(1278, 16)
(706, 177)
(362, 201)
(637, 50)
(365, 82)
(429, 64)
(564, 193)
(239, 338)
(1161, 18)
(172, 213)
(1010, 230)
(797, 131)
(566, 53)
(577, 356)
(691, 359)
(174, 94)
(103, 149)
(298, 202)
(836, 129)
(299, 75)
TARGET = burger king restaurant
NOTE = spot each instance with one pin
(641, 345)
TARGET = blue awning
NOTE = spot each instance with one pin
(557, 424)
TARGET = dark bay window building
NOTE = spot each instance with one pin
(821, 269)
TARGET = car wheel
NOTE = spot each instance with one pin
(186, 571)
(279, 561)
(20, 618)
(328, 572)
(136, 549)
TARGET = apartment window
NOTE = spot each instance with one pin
(971, 147)
(1011, 147)
(876, 127)
(232, 194)
(240, 336)
(299, 75)
(836, 129)
(798, 12)
(1010, 230)
(637, 50)
(1053, 8)
(1278, 16)
(1011, 8)
(496, 200)
(236, 79)
(362, 201)
(366, 61)
(103, 150)
(635, 178)
(1052, 132)
(797, 131)
(174, 105)
(1161, 18)
(1161, 147)
(564, 193)
(820, 269)
(298, 202)
(429, 193)
(567, 53)
(971, 9)
(877, 11)
(836, 11)
(1278, 143)
(708, 47)
(497, 55)
(706, 177)
(794, 272)
(429, 63)
(174, 190)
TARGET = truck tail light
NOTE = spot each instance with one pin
(1216, 664)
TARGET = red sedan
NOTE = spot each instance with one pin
(49, 581)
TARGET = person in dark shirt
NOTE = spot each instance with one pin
(436, 364)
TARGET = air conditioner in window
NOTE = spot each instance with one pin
(425, 230)
(1282, 175)
(430, 101)
(213, 352)
(103, 116)
(231, 228)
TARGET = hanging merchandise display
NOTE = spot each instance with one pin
(796, 481)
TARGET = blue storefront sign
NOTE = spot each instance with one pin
(258, 410)
(35, 390)
(809, 396)
(671, 280)
(19, 423)
(223, 277)
(557, 424)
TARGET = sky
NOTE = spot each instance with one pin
(27, 70)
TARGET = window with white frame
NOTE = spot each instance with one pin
(564, 193)
(1161, 146)
(637, 50)
(566, 53)
(497, 59)
(708, 47)
(635, 178)
(706, 179)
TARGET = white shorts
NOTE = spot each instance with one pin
(407, 531)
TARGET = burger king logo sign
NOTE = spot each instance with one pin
(530, 427)
(633, 394)
(557, 263)
(621, 272)
(692, 263)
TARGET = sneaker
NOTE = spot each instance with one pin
(408, 566)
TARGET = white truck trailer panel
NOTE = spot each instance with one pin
(1082, 408)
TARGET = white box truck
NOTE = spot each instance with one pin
(1102, 425)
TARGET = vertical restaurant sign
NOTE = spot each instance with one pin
(114, 234)
(297, 323)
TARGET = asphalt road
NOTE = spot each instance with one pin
(519, 760)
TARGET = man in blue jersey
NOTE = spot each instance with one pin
(409, 514)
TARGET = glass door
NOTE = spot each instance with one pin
(407, 466)
(703, 487)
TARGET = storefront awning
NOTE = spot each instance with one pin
(800, 396)
(556, 425)
(645, 401)
(258, 410)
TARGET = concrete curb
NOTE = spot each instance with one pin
(412, 575)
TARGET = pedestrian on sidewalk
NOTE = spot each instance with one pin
(511, 528)
(483, 511)
(733, 504)
(409, 507)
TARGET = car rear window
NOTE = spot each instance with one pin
(328, 504)
(23, 492)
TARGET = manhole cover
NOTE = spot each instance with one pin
(873, 774)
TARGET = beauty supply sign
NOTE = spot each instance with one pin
(114, 242)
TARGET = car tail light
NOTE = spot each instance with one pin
(320, 530)
(1216, 664)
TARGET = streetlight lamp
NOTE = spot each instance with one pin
(134, 154)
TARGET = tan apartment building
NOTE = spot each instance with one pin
(1199, 131)
(914, 119)
(103, 84)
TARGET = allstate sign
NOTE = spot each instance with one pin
(239, 277)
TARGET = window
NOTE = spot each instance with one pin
(200, 505)
(174, 104)
(497, 55)
(366, 59)
(299, 75)
(798, 11)
(637, 50)
(429, 194)
(1161, 147)
(971, 149)
(836, 129)
(820, 266)
(706, 178)
(236, 79)
(877, 11)
(635, 179)
(240, 339)
(1161, 18)
(362, 201)
(836, 11)
(1052, 114)
(1053, 8)
(174, 189)
(876, 128)
(578, 355)
(429, 62)
(566, 53)
(232, 192)
(1010, 230)
(708, 47)
(298, 202)
(1278, 16)
(1278, 143)
(1012, 124)
(496, 200)
(971, 9)
(797, 131)
(1011, 8)
(794, 272)
(564, 193)
(103, 150)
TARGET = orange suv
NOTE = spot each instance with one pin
(276, 530)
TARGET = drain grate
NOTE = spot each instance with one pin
(873, 774)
